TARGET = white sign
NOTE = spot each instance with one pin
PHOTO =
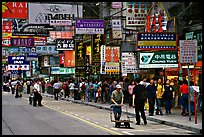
(188, 51)
(16, 67)
(128, 63)
(116, 24)
(89, 31)
(43, 13)
(60, 22)
(103, 59)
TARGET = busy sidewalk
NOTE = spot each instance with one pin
(174, 119)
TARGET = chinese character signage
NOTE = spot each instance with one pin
(137, 12)
(32, 56)
(188, 51)
(61, 35)
(65, 44)
(128, 63)
(156, 20)
(69, 58)
(22, 42)
(97, 42)
(157, 41)
(88, 26)
(17, 60)
(117, 5)
(59, 70)
(60, 22)
(80, 54)
(158, 59)
(15, 10)
(7, 26)
(48, 49)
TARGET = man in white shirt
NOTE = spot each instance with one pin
(37, 94)
(56, 87)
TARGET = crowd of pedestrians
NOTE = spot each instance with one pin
(160, 96)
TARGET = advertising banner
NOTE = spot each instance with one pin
(188, 51)
(61, 57)
(22, 42)
(158, 59)
(137, 12)
(65, 44)
(6, 41)
(47, 12)
(48, 49)
(60, 22)
(157, 41)
(59, 70)
(54, 61)
(16, 50)
(69, 58)
(15, 10)
(89, 26)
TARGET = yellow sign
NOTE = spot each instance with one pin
(157, 43)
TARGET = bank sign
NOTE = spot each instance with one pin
(161, 59)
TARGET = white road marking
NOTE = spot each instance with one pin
(125, 132)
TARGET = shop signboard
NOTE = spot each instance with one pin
(60, 22)
(89, 26)
(59, 70)
(188, 51)
(54, 61)
(68, 59)
(42, 13)
(128, 63)
(157, 41)
(22, 42)
(158, 59)
(97, 42)
(61, 35)
(48, 49)
(117, 5)
(15, 10)
(32, 56)
(65, 44)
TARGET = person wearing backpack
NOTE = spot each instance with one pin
(82, 89)
(139, 97)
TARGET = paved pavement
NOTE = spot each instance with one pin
(175, 119)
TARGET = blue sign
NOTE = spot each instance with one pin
(32, 55)
(17, 60)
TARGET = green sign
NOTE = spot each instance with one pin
(160, 59)
(58, 70)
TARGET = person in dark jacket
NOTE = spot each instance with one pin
(168, 96)
(138, 101)
(151, 95)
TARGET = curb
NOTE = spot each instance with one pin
(197, 130)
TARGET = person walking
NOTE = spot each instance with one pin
(71, 88)
(95, 90)
(168, 96)
(151, 95)
(66, 89)
(37, 94)
(28, 83)
(184, 97)
(139, 101)
(117, 98)
(159, 93)
(130, 91)
(56, 87)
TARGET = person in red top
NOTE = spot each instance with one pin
(184, 97)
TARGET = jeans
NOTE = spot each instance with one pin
(168, 105)
(151, 102)
(56, 92)
(117, 111)
(159, 101)
(95, 98)
(192, 106)
(184, 102)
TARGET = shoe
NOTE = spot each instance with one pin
(182, 113)
(150, 114)
(161, 114)
(169, 112)
(34, 105)
(137, 123)
(145, 122)
(157, 113)
(40, 105)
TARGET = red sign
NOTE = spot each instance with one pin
(7, 26)
(16, 10)
(61, 59)
(69, 58)
(61, 35)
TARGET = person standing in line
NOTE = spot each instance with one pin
(176, 89)
(28, 83)
(17, 87)
(95, 90)
(117, 98)
(82, 89)
(43, 85)
(184, 97)
(130, 90)
(56, 87)
(151, 95)
(159, 93)
(168, 96)
(37, 94)
(138, 101)
(66, 89)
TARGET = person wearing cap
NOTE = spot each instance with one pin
(117, 98)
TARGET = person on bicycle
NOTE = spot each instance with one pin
(117, 98)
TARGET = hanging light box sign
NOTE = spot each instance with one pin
(65, 44)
